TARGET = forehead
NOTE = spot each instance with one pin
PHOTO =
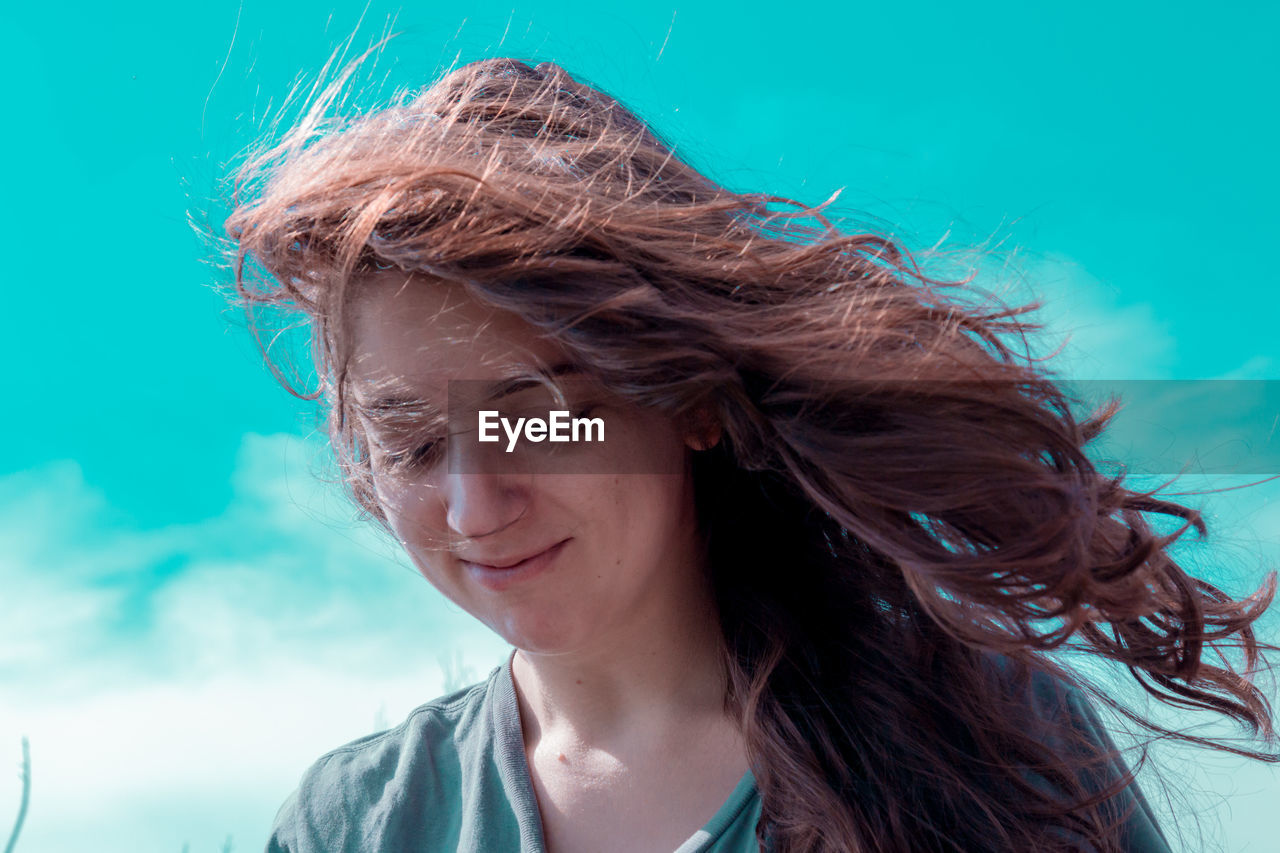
(412, 335)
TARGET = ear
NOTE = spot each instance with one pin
(702, 429)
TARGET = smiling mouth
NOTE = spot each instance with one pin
(525, 563)
(498, 579)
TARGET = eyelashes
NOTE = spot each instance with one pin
(417, 457)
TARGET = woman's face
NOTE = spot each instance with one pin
(614, 543)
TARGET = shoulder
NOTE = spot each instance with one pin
(1049, 708)
(443, 720)
(360, 789)
(1063, 717)
(1044, 697)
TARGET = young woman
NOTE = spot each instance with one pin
(801, 594)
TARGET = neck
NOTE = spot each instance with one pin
(655, 673)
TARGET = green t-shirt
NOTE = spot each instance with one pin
(454, 777)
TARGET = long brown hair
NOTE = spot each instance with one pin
(900, 497)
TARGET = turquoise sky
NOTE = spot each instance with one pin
(189, 618)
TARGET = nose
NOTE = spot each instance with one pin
(480, 488)
(479, 504)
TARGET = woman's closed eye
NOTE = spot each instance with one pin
(413, 457)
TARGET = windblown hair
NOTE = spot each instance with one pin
(899, 497)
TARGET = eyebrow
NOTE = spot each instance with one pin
(510, 386)
(393, 403)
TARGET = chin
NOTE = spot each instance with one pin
(541, 633)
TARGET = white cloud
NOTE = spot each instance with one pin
(176, 682)
(1101, 338)
(1255, 367)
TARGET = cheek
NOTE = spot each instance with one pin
(391, 499)
(411, 514)
(637, 511)
(594, 500)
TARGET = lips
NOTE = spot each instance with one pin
(509, 563)
(498, 578)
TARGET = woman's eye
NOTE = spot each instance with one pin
(417, 457)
